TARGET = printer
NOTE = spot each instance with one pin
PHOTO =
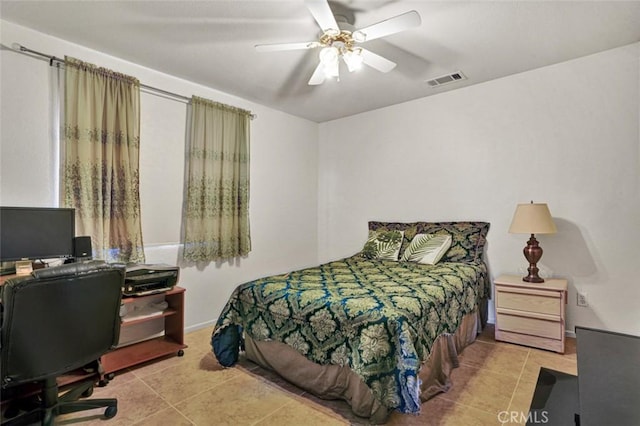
(144, 279)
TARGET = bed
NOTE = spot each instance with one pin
(378, 329)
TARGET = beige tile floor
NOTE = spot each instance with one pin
(195, 390)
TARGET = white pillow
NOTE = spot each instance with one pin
(427, 248)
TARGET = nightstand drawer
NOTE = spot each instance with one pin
(542, 302)
(532, 326)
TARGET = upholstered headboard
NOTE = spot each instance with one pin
(468, 238)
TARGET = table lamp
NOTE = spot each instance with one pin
(533, 218)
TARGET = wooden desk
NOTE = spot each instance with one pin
(3, 278)
(172, 342)
(26, 390)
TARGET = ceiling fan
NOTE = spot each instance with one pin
(336, 42)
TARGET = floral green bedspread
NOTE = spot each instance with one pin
(378, 317)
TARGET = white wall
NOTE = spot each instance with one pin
(567, 135)
(283, 204)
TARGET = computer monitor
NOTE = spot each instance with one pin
(36, 233)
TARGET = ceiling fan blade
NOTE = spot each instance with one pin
(389, 26)
(318, 75)
(376, 61)
(286, 46)
(322, 14)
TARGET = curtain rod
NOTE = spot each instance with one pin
(52, 59)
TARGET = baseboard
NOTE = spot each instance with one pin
(200, 326)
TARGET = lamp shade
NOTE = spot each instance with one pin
(533, 218)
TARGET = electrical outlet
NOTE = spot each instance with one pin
(582, 299)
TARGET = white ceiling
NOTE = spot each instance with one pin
(212, 43)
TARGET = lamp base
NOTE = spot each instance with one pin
(533, 253)
(533, 279)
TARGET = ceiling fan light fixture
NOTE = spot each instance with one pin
(353, 59)
(332, 32)
(331, 69)
(329, 55)
(329, 58)
(359, 36)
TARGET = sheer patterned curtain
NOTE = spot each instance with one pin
(100, 165)
(216, 213)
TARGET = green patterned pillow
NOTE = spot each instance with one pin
(468, 239)
(383, 245)
(427, 248)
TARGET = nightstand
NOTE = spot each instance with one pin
(531, 314)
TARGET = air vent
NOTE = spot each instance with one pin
(446, 79)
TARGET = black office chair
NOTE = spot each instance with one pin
(55, 321)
